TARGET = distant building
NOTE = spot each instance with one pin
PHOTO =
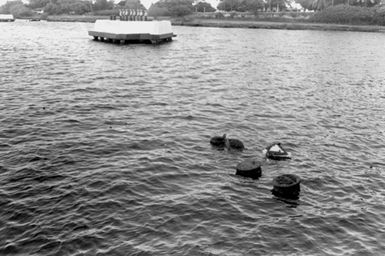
(39, 10)
(6, 17)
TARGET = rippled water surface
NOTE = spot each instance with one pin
(104, 149)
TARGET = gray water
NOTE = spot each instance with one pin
(104, 149)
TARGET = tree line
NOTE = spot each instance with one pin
(318, 5)
(79, 7)
(18, 8)
(167, 7)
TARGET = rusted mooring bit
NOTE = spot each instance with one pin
(250, 168)
(224, 142)
(286, 186)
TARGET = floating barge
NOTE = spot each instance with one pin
(128, 31)
(6, 18)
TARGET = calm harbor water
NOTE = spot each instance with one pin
(104, 149)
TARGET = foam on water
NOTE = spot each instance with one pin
(104, 149)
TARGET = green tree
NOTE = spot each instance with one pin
(241, 5)
(279, 4)
(33, 4)
(6, 8)
(315, 5)
(181, 10)
(203, 7)
(21, 11)
(9, 4)
(252, 5)
(52, 8)
(306, 4)
(229, 5)
(176, 7)
(16, 8)
(103, 5)
(67, 7)
(318, 5)
(156, 11)
(132, 4)
(77, 7)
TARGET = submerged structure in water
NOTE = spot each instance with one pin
(286, 186)
(276, 152)
(250, 168)
(224, 142)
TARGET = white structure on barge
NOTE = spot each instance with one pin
(6, 17)
(132, 27)
(117, 31)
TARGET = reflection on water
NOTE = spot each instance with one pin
(104, 149)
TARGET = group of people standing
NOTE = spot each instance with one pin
(133, 14)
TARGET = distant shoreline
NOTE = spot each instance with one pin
(278, 25)
(251, 24)
(75, 18)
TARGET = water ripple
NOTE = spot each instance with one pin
(104, 148)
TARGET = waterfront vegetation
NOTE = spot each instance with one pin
(355, 12)
(355, 15)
